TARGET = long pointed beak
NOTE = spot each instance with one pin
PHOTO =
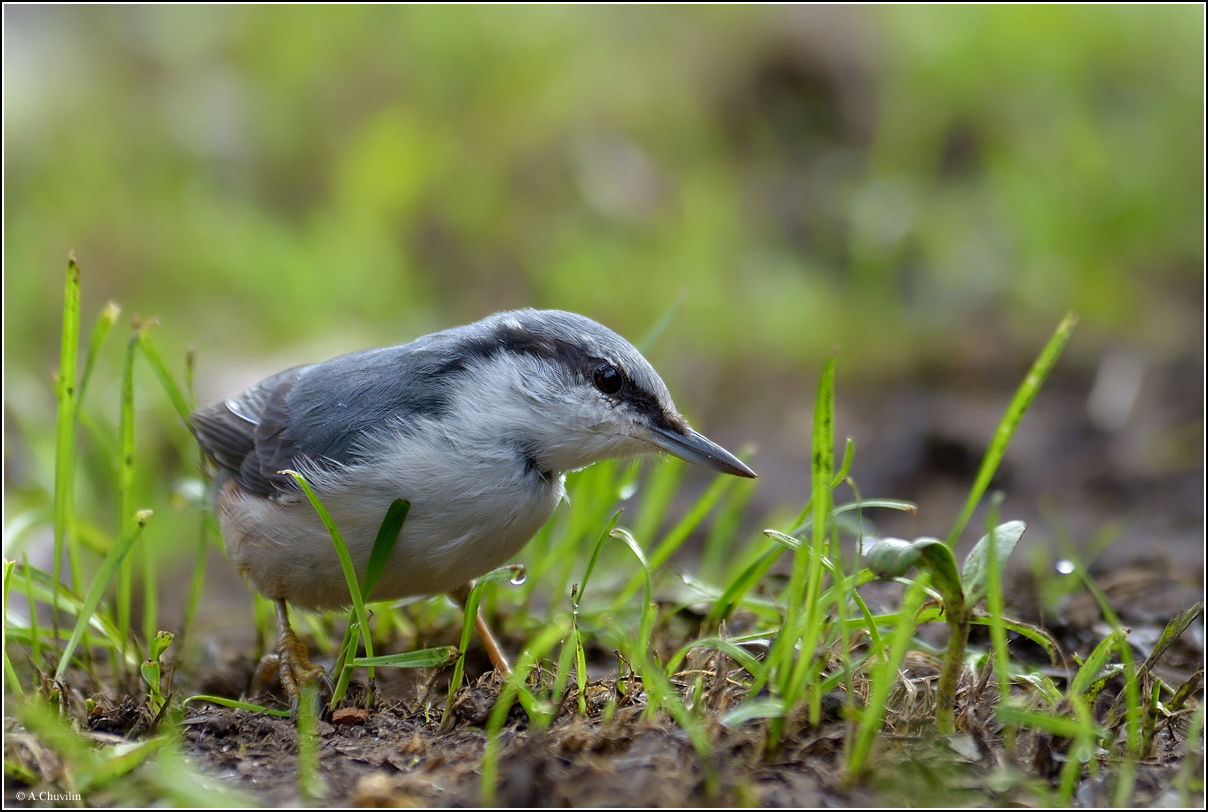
(698, 449)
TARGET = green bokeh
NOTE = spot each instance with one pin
(896, 181)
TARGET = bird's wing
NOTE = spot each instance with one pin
(320, 416)
(247, 436)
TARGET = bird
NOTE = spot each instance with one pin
(475, 426)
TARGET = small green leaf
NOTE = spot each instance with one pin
(1001, 543)
(891, 557)
(160, 644)
(1096, 663)
(939, 559)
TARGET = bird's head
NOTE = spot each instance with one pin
(571, 392)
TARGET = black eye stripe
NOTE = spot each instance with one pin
(608, 379)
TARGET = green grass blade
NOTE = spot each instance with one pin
(383, 545)
(647, 342)
(737, 589)
(40, 586)
(437, 657)
(469, 616)
(99, 583)
(180, 402)
(873, 715)
(676, 537)
(1015, 411)
(65, 432)
(125, 482)
(822, 475)
(728, 647)
(595, 555)
(659, 489)
(237, 705)
(646, 627)
(350, 576)
(100, 331)
(10, 674)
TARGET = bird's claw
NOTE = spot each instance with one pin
(291, 665)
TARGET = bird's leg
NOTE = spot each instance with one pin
(291, 664)
(494, 650)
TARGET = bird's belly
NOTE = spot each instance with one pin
(283, 550)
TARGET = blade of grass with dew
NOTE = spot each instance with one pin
(1015, 411)
(469, 618)
(594, 494)
(99, 583)
(576, 641)
(646, 626)
(883, 678)
(65, 434)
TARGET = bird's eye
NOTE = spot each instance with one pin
(608, 379)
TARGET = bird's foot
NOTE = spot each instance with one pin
(291, 665)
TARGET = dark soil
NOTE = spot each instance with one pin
(398, 755)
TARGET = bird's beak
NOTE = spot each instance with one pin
(698, 449)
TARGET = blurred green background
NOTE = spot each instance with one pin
(881, 179)
(924, 188)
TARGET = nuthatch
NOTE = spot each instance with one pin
(475, 426)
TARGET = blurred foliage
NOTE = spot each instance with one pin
(899, 181)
